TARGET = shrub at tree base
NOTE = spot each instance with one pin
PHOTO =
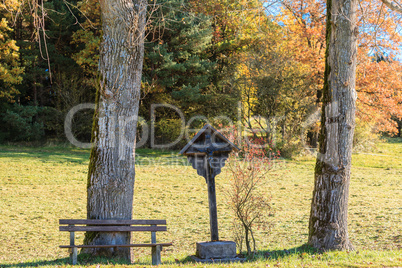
(250, 206)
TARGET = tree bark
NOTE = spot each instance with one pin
(111, 171)
(328, 216)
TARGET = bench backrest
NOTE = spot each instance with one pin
(112, 225)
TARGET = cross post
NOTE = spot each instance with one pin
(213, 215)
(207, 152)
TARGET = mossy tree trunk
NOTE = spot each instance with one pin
(111, 169)
(328, 217)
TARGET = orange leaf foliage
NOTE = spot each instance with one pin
(379, 82)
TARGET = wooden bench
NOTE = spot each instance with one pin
(152, 226)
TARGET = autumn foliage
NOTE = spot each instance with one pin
(204, 57)
(378, 72)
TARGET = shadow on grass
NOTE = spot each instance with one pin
(304, 249)
(300, 251)
(58, 154)
(82, 259)
(63, 261)
(46, 154)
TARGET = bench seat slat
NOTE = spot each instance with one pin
(113, 222)
(113, 228)
(122, 246)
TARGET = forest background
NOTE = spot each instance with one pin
(204, 57)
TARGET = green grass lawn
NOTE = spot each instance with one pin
(38, 186)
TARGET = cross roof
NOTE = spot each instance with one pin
(215, 133)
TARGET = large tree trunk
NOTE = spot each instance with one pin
(328, 217)
(111, 168)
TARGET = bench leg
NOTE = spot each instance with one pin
(156, 255)
(73, 253)
(73, 256)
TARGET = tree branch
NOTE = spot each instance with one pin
(393, 5)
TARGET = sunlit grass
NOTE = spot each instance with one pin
(38, 186)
